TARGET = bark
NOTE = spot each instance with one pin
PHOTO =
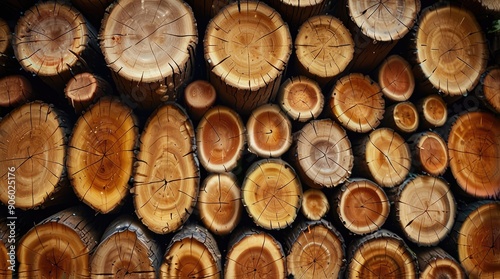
(220, 139)
(167, 175)
(269, 131)
(315, 250)
(357, 103)
(295, 13)
(126, 249)
(301, 98)
(445, 60)
(322, 154)
(32, 151)
(165, 43)
(437, 263)
(85, 89)
(246, 47)
(488, 90)
(59, 246)
(199, 97)
(272, 193)
(192, 253)
(101, 155)
(474, 148)
(219, 203)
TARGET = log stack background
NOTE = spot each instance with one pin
(219, 138)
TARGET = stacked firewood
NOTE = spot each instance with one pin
(249, 139)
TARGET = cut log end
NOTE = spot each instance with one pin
(429, 153)
(474, 148)
(433, 111)
(84, 89)
(316, 251)
(396, 78)
(272, 193)
(166, 178)
(199, 96)
(451, 64)
(219, 203)
(387, 156)
(381, 254)
(33, 146)
(301, 98)
(323, 154)
(15, 90)
(357, 103)
(314, 204)
(269, 131)
(255, 255)
(489, 90)
(324, 47)
(363, 206)
(436, 263)
(220, 137)
(425, 209)
(398, 18)
(101, 154)
(402, 117)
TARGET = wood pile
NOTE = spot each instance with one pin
(249, 139)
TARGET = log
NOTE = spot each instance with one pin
(301, 98)
(384, 157)
(59, 246)
(150, 64)
(101, 155)
(322, 154)
(54, 41)
(361, 206)
(425, 209)
(220, 139)
(247, 46)
(314, 204)
(204, 10)
(488, 90)
(357, 103)
(167, 175)
(269, 131)
(126, 249)
(451, 50)
(475, 239)
(396, 79)
(93, 10)
(295, 13)
(437, 263)
(6, 51)
(323, 48)
(271, 193)
(474, 148)
(382, 254)
(6, 265)
(376, 27)
(84, 89)
(192, 253)
(15, 90)
(254, 254)
(429, 153)
(32, 151)
(199, 97)
(432, 110)
(315, 250)
(402, 117)
(219, 203)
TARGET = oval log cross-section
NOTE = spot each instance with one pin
(254, 254)
(316, 250)
(32, 151)
(323, 154)
(149, 47)
(429, 153)
(166, 179)
(396, 79)
(220, 138)
(436, 263)
(127, 250)
(100, 154)
(301, 98)
(272, 193)
(247, 46)
(474, 150)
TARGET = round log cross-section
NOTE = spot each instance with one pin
(247, 46)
